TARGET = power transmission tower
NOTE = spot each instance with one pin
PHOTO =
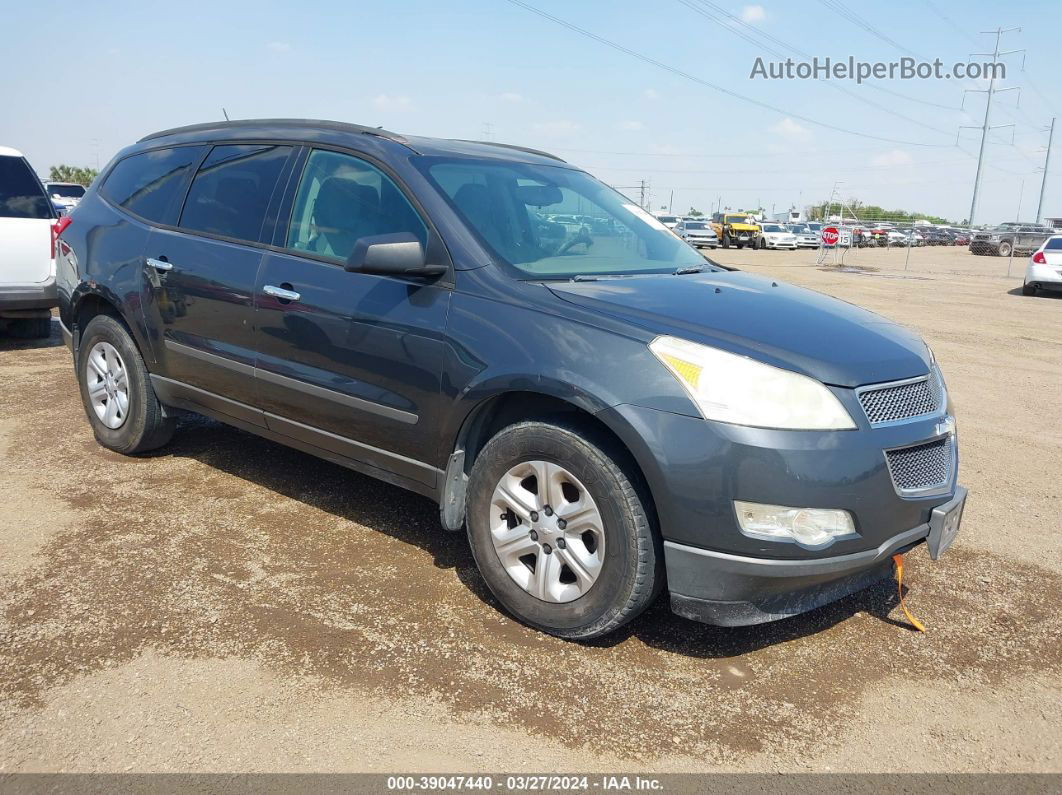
(991, 91)
(1047, 162)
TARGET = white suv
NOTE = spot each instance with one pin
(1044, 271)
(27, 249)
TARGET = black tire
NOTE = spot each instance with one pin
(762, 244)
(1028, 289)
(30, 328)
(1004, 249)
(631, 573)
(726, 240)
(146, 425)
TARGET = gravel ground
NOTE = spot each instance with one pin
(228, 604)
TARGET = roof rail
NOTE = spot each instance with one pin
(314, 123)
(529, 151)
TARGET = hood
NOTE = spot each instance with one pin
(786, 326)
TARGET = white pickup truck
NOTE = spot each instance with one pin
(27, 255)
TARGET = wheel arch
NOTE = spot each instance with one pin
(491, 414)
(89, 302)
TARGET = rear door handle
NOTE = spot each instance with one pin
(281, 293)
(160, 265)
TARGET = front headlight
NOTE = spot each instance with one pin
(735, 389)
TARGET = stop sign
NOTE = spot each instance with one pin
(830, 236)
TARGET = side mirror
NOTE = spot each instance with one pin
(399, 254)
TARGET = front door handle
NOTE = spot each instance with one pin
(281, 293)
(160, 265)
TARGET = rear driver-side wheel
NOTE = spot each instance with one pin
(120, 403)
(1028, 289)
(560, 532)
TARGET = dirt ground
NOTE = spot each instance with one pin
(229, 604)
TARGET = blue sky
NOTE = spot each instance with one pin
(86, 78)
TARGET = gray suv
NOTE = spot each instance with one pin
(606, 414)
(1010, 238)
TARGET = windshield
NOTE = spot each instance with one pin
(798, 229)
(66, 191)
(526, 215)
(696, 225)
(739, 219)
(668, 219)
(772, 228)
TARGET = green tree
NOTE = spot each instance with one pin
(76, 174)
(694, 212)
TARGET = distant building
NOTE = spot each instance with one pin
(1055, 223)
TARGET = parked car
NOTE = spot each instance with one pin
(64, 195)
(1010, 238)
(668, 220)
(27, 263)
(937, 237)
(805, 237)
(381, 301)
(777, 236)
(1044, 271)
(697, 233)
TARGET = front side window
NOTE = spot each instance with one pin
(150, 184)
(20, 192)
(342, 199)
(231, 191)
(556, 223)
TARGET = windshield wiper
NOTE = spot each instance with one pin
(705, 268)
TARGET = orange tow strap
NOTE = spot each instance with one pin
(898, 560)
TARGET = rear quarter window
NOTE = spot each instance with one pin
(150, 184)
(231, 191)
(21, 194)
(1054, 244)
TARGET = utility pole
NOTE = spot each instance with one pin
(488, 131)
(641, 194)
(1047, 162)
(985, 127)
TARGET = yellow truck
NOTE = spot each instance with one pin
(737, 229)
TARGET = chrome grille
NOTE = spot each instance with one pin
(892, 402)
(922, 466)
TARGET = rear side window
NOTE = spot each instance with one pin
(231, 191)
(342, 199)
(1055, 243)
(151, 183)
(21, 195)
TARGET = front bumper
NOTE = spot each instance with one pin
(696, 470)
(732, 590)
(22, 297)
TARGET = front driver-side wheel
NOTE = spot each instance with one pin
(559, 531)
(121, 405)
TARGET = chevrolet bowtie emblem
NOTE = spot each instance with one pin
(946, 426)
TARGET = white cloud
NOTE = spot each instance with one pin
(651, 94)
(630, 124)
(392, 102)
(279, 46)
(894, 157)
(511, 96)
(560, 127)
(753, 14)
(790, 129)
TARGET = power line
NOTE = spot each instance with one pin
(720, 89)
(721, 14)
(858, 21)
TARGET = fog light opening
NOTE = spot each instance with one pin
(812, 528)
